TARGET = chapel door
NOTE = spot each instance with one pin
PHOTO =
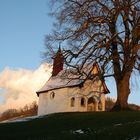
(91, 104)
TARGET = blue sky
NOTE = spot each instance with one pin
(23, 26)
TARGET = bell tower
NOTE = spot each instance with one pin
(58, 62)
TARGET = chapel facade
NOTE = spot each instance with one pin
(61, 94)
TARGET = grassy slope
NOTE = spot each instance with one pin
(96, 126)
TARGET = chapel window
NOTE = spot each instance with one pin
(52, 95)
(100, 105)
(83, 102)
(72, 101)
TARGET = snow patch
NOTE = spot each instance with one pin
(14, 120)
(119, 124)
(134, 138)
(84, 131)
(79, 131)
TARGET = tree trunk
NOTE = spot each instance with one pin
(123, 92)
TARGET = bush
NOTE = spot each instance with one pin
(27, 110)
(109, 103)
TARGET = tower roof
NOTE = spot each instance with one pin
(58, 62)
(58, 53)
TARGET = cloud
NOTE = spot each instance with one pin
(20, 85)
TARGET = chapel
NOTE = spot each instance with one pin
(65, 92)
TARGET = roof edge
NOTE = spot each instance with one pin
(38, 92)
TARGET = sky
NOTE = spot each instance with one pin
(23, 26)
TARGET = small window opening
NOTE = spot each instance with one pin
(72, 101)
(52, 95)
(83, 102)
(100, 106)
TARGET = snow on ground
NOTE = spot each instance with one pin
(134, 138)
(120, 124)
(80, 131)
(21, 119)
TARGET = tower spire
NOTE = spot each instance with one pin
(58, 62)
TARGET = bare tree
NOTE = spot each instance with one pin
(106, 32)
(27, 110)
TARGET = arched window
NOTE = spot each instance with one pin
(72, 102)
(100, 105)
(52, 95)
(91, 100)
(83, 102)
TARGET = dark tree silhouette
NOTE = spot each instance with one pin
(106, 32)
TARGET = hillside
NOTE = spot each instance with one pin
(76, 126)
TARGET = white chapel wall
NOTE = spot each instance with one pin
(52, 105)
(62, 99)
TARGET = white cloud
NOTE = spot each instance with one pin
(20, 85)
